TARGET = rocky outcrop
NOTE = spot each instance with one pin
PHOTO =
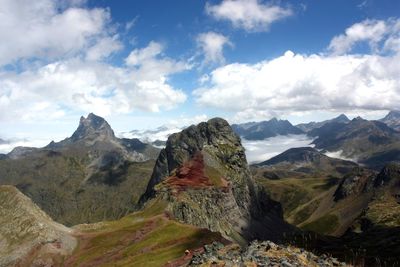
(357, 182)
(27, 233)
(259, 253)
(203, 173)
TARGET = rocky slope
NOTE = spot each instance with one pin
(359, 139)
(265, 129)
(204, 176)
(259, 253)
(88, 177)
(307, 127)
(392, 119)
(27, 235)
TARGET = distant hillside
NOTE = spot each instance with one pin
(360, 139)
(265, 129)
(88, 177)
(298, 176)
(307, 127)
(27, 233)
(392, 119)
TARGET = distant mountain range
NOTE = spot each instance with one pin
(307, 127)
(200, 198)
(265, 129)
(94, 171)
(156, 137)
(359, 139)
(392, 119)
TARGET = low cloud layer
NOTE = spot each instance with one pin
(258, 151)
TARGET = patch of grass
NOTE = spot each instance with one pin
(324, 225)
(146, 238)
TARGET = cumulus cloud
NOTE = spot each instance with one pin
(47, 29)
(212, 46)
(76, 85)
(380, 35)
(294, 82)
(104, 48)
(250, 15)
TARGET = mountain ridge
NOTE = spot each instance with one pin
(265, 129)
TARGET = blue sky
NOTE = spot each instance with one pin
(141, 64)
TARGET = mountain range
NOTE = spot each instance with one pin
(307, 127)
(197, 202)
(92, 171)
(265, 129)
(392, 119)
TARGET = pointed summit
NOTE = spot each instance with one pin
(392, 119)
(342, 118)
(93, 127)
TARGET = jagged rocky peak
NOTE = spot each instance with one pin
(213, 137)
(204, 176)
(93, 127)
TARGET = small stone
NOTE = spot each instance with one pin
(286, 264)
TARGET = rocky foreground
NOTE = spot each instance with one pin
(258, 253)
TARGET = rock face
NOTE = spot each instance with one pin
(27, 233)
(203, 173)
(93, 127)
(265, 129)
(357, 182)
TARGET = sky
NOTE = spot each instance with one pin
(142, 64)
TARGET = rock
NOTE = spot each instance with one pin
(204, 175)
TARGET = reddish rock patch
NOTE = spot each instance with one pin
(191, 174)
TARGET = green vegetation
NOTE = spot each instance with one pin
(56, 183)
(324, 225)
(292, 193)
(145, 238)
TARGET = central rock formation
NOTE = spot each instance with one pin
(204, 176)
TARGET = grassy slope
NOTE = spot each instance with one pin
(294, 192)
(54, 183)
(145, 238)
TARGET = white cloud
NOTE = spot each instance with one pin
(212, 45)
(48, 29)
(139, 56)
(378, 34)
(250, 15)
(104, 48)
(258, 151)
(76, 85)
(305, 83)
